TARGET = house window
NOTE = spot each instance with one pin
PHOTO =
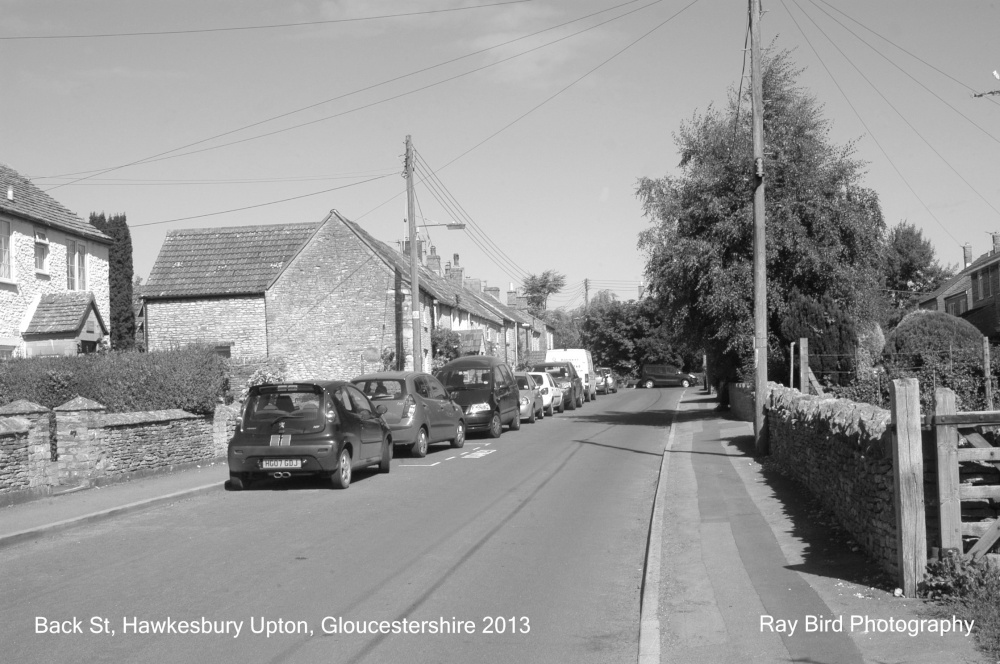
(6, 264)
(41, 251)
(6, 352)
(76, 265)
(956, 306)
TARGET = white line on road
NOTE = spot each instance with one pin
(449, 458)
(425, 465)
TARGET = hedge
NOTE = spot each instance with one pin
(194, 379)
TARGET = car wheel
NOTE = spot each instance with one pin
(459, 439)
(562, 406)
(515, 423)
(550, 411)
(341, 478)
(496, 428)
(685, 383)
(541, 413)
(419, 448)
(235, 483)
(571, 405)
(386, 463)
(579, 401)
(648, 384)
(531, 417)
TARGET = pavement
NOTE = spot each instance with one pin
(742, 566)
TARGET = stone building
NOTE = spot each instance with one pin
(54, 292)
(326, 298)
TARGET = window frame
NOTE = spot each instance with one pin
(7, 251)
(76, 265)
(42, 242)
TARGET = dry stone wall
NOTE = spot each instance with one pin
(841, 451)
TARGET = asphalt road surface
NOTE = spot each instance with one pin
(527, 548)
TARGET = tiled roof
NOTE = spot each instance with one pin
(960, 281)
(239, 260)
(33, 204)
(60, 313)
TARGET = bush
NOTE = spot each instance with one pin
(969, 590)
(192, 379)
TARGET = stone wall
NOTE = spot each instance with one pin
(89, 446)
(238, 319)
(841, 451)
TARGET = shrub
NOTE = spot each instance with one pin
(969, 590)
(192, 379)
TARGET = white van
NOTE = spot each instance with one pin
(584, 363)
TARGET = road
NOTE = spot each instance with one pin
(527, 548)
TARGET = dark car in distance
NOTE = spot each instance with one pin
(324, 428)
(484, 387)
(660, 375)
(418, 409)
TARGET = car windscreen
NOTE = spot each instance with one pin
(283, 409)
(382, 389)
(455, 380)
(538, 378)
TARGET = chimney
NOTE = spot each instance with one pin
(493, 291)
(522, 303)
(996, 243)
(457, 274)
(10, 192)
(967, 254)
(512, 297)
(473, 284)
(434, 261)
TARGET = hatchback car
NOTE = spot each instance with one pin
(324, 428)
(552, 394)
(606, 381)
(419, 411)
(532, 405)
(484, 387)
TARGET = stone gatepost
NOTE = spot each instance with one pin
(41, 444)
(79, 437)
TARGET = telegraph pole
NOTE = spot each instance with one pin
(414, 264)
(759, 238)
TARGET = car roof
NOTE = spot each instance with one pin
(325, 384)
(472, 361)
(390, 375)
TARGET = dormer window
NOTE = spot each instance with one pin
(41, 251)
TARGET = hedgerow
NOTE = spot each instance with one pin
(192, 379)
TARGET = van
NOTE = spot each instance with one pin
(486, 390)
(584, 363)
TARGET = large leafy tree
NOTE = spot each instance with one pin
(538, 288)
(626, 335)
(120, 278)
(824, 229)
(910, 269)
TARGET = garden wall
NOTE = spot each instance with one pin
(841, 451)
(79, 444)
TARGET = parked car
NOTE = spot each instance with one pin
(532, 406)
(485, 389)
(552, 394)
(419, 411)
(659, 375)
(583, 362)
(607, 382)
(565, 376)
(324, 428)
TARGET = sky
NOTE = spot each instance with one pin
(532, 120)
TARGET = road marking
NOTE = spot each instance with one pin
(425, 465)
(449, 458)
(477, 455)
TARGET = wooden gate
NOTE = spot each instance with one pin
(949, 427)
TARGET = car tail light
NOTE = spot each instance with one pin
(409, 405)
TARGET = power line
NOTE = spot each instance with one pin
(259, 205)
(168, 154)
(902, 117)
(271, 26)
(865, 125)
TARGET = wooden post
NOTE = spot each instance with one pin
(804, 365)
(759, 235)
(946, 436)
(987, 373)
(791, 366)
(908, 484)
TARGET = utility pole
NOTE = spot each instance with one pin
(759, 238)
(586, 294)
(414, 262)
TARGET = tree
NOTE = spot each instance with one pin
(566, 331)
(626, 335)
(120, 279)
(538, 288)
(910, 269)
(823, 228)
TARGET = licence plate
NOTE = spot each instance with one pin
(281, 463)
